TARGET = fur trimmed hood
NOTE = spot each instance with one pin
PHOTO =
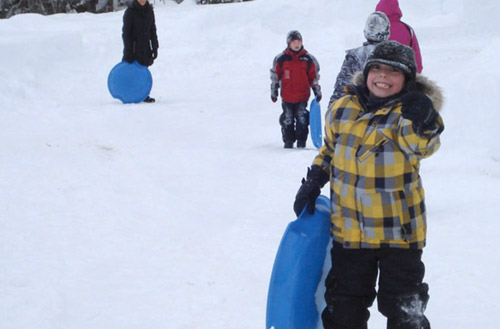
(423, 84)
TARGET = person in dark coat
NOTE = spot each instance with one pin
(140, 42)
(376, 30)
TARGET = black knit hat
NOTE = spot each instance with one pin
(293, 35)
(394, 54)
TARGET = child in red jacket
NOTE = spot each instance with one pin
(296, 71)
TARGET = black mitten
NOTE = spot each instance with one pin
(310, 190)
(274, 94)
(417, 107)
(155, 53)
(128, 57)
(306, 195)
(317, 93)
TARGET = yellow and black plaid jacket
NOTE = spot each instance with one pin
(373, 160)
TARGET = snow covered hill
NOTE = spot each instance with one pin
(168, 215)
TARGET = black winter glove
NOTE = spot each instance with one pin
(310, 190)
(128, 58)
(317, 94)
(417, 107)
(155, 54)
(274, 94)
(306, 195)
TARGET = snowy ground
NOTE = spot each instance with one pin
(169, 215)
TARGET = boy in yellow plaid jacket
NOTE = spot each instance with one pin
(376, 136)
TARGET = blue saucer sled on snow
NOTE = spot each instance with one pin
(298, 269)
(130, 82)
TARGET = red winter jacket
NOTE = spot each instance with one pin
(297, 72)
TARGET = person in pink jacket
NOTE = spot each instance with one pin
(400, 31)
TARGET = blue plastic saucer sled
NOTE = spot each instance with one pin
(130, 82)
(315, 123)
(297, 270)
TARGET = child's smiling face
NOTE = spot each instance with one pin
(295, 45)
(384, 80)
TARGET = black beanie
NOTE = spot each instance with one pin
(394, 54)
(293, 35)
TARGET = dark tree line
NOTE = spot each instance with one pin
(208, 2)
(9, 8)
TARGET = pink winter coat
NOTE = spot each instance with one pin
(400, 31)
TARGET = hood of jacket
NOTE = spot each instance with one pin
(390, 8)
(300, 52)
(141, 9)
(423, 84)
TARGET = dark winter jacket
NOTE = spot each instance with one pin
(400, 31)
(140, 41)
(373, 161)
(353, 62)
(296, 72)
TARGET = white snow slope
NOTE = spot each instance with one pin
(169, 215)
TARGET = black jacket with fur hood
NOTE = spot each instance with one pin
(140, 41)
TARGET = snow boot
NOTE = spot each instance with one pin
(149, 100)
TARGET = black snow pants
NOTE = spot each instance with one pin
(350, 288)
(294, 122)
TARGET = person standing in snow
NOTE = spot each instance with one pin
(296, 71)
(375, 138)
(140, 42)
(376, 30)
(400, 31)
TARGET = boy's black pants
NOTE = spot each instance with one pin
(350, 288)
(294, 122)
